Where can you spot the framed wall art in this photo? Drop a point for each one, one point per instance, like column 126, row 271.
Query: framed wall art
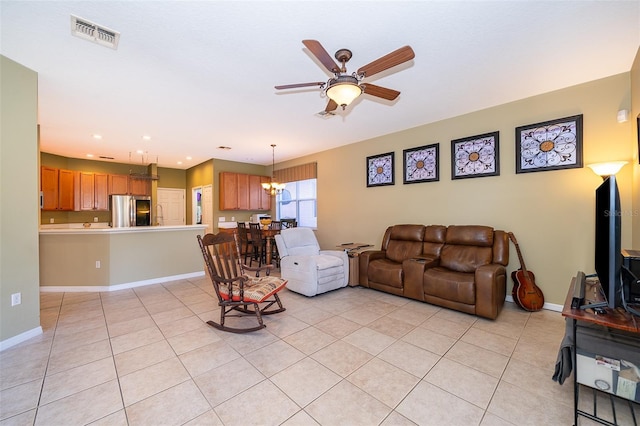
column 475, row 156
column 550, row 145
column 421, row 164
column 380, row 170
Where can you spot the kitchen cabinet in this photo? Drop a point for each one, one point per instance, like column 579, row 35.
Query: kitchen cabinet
column 118, row 184
column 92, row 191
column 139, row 186
column 57, row 188
column 239, row 191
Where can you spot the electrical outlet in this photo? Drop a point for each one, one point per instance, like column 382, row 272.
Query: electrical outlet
column 95, row 219
column 16, row 299
column 97, row 264
column 51, row 220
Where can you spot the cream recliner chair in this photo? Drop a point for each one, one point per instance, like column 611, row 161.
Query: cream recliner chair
column 308, row 269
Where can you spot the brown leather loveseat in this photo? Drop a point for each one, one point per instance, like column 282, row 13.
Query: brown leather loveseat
column 457, row 267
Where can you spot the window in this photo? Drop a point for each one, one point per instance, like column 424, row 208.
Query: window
column 298, row 201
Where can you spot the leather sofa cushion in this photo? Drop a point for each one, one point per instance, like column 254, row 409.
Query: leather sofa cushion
column 434, row 238
column 405, row 242
column 387, row 272
column 450, row 285
column 470, row 235
column 465, row 258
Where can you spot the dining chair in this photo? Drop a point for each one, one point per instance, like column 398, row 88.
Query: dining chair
column 258, row 243
column 239, row 294
column 288, row 223
column 277, row 225
column 245, row 242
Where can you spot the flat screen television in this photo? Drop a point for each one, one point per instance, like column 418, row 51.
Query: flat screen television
column 608, row 252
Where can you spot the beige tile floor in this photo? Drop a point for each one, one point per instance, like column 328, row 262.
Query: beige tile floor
column 354, row 356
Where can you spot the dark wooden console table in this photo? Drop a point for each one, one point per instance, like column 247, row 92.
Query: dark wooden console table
column 613, row 319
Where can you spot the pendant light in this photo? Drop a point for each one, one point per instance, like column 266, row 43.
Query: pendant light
column 273, row 187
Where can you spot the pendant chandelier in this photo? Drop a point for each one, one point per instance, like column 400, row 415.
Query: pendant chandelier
column 273, row 187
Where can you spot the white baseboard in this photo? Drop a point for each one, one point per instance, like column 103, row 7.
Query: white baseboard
column 89, row 288
column 12, row 341
column 547, row 306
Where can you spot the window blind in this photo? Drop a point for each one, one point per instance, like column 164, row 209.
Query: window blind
column 296, row 173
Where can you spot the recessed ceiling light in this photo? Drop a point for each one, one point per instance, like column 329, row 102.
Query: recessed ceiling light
column 146, row 137
column 139, row 151
column 188, row 158
column 179, row 162
column 89, row 155
column 97, row 136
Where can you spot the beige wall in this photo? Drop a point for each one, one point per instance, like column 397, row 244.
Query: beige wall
column 551, row 213
column 19, row 186
column 634, row 117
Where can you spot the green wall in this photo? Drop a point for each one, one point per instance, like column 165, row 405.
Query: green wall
column 207, row 174
column 19, row 188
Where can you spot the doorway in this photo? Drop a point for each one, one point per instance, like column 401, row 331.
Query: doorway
column 171, row 207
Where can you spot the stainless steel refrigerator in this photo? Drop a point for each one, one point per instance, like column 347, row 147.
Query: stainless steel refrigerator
column 130, row 210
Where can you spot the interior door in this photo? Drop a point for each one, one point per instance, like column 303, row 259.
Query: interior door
column 171, row 207
column 207, row 208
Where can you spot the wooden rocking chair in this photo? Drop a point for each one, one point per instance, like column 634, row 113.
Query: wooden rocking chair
column 236, row 290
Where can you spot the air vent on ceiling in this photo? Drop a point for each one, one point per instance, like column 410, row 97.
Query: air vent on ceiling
column 88, row 30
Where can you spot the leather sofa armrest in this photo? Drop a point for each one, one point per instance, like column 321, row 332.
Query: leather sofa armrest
column 414, row 276
column 364, row 259
column 491, row 290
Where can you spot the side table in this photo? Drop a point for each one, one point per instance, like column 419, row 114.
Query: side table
column 353, row 251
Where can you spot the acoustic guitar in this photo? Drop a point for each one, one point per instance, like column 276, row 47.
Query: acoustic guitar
column 526, row 294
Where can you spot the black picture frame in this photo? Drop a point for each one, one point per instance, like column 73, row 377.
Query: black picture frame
column 381, row 169
column 549, row 145
column 421, row 164
column 638, row 131
column 476, row 156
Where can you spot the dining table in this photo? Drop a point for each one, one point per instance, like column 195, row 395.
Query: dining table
column 268, row 234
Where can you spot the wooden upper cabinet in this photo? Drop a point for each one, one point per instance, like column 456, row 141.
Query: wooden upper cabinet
column 101, row 188
column 240, row 191
column 118, row 184
column 243, row 192
column 138, row 186
column 92, row 191
column 57, row 188
column 228, row 191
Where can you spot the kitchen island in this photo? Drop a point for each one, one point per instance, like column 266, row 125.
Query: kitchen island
column 107, row 259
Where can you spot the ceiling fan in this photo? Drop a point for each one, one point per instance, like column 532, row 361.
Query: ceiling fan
column 343, row 88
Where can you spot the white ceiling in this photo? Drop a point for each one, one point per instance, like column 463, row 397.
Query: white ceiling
column 198, row 75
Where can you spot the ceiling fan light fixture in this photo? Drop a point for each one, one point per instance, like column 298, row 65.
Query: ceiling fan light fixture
column 343, row 90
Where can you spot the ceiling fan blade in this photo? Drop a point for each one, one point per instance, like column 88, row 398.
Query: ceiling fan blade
column 319, row 52
column 394, row 58
column 293, row 86
column 331, row 106
column 381, row 92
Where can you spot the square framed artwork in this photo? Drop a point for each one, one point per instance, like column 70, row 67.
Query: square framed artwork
column 638, row 131
column 550, row 145
column 475, row 156
column 380, row 170
column 421, row 164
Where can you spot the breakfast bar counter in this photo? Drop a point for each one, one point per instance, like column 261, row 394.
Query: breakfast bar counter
column 100, row 258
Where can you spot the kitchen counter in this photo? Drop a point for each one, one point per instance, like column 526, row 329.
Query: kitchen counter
column 75, row 230
column 107, row 259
